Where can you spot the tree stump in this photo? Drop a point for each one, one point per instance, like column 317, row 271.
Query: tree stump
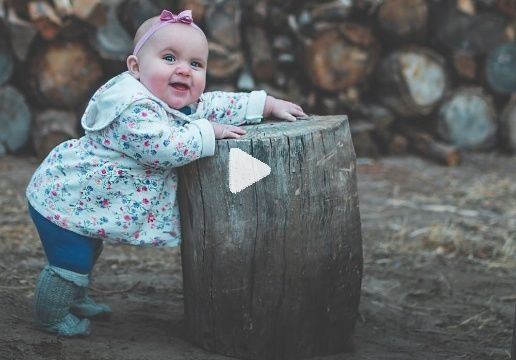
column 274, row 271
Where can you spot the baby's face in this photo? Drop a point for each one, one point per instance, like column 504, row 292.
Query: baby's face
column 172, row 64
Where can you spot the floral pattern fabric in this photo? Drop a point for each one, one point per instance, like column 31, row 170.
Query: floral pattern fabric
column 118, row 182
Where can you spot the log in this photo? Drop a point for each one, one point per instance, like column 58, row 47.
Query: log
column 22, row 34
column 464, row 64
column 476, row 33
column 15, row 120
column 132, row 13
column 198, row 8
column 52, row 127
column 402, row 21
column 508, row 125
column 274, row 271
column 398, row 145
column 63, row 74
column 223, row 22
column 335, row 10
column 45, row 19
column 341, row 57
column 500, row 68
column 382, row 120
column 263, row 65
column 224, row 64
column 467, row 119
column 111, row 40
column 412, row 81
column 63, row 7
column 513, row 345
column 425, row 144
column 92, row 12
column 363, row 143
column 507, row 7
column 6, row 60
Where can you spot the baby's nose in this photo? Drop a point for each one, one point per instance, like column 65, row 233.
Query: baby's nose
column 183, row 69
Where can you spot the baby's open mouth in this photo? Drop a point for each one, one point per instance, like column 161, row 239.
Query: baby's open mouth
column 180, row 86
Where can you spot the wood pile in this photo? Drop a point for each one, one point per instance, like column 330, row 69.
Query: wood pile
column 436, row 77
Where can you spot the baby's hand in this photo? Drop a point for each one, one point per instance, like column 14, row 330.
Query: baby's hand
column 282, row 109
column 227, row 131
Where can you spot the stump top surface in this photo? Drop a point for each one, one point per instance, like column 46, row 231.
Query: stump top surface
column 280, row 128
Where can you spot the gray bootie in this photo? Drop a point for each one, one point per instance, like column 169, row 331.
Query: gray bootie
column 56, row 289
column 85, row 306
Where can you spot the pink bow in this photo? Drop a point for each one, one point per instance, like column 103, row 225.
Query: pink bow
column 166, row 17
column 184, row 17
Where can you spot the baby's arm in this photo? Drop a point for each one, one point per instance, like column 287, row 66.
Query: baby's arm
column 145, row 132
column 235, row 108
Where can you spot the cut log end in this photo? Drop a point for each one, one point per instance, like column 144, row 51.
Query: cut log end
column 412, row 81
column 15, row 119
column 467, row 119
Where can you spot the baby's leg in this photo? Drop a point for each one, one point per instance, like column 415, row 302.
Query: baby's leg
column 61, row 286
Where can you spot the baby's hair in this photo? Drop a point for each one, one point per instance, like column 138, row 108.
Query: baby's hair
column 143, row 28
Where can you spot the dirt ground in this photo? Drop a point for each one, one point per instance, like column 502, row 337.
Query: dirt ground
column 439, row 271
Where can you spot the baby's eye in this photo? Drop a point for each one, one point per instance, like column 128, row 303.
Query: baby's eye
column 196, row 64
column 169, row 58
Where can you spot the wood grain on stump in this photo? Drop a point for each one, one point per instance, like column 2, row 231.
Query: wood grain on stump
column 274, row 271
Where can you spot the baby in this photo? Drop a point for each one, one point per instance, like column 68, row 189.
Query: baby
column 118, row 182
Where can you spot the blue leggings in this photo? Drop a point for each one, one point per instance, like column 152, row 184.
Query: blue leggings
column 64, row 248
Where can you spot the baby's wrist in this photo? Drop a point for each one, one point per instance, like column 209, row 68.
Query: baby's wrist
column 269, row 105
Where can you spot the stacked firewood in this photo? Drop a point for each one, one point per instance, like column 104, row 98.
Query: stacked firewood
column 434, row 77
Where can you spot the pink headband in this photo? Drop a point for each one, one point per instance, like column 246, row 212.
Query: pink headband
column 166, row 17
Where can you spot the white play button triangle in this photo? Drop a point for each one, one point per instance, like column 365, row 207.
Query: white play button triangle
column 244, row 170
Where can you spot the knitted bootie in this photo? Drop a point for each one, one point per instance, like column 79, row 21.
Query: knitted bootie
column 85, row 306
column 55, row 291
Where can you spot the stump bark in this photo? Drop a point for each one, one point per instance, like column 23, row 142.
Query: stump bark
column 274, row 271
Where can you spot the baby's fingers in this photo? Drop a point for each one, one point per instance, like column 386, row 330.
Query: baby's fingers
column 237, row 130
column 233, row 132
column 288, row 116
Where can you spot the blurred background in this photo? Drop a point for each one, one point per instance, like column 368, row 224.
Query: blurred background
column 432, row 77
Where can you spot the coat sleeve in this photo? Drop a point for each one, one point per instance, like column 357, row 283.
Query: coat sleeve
column 145, row 132
column 234, row 108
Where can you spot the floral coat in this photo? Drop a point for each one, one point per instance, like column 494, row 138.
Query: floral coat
column 118, row 182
